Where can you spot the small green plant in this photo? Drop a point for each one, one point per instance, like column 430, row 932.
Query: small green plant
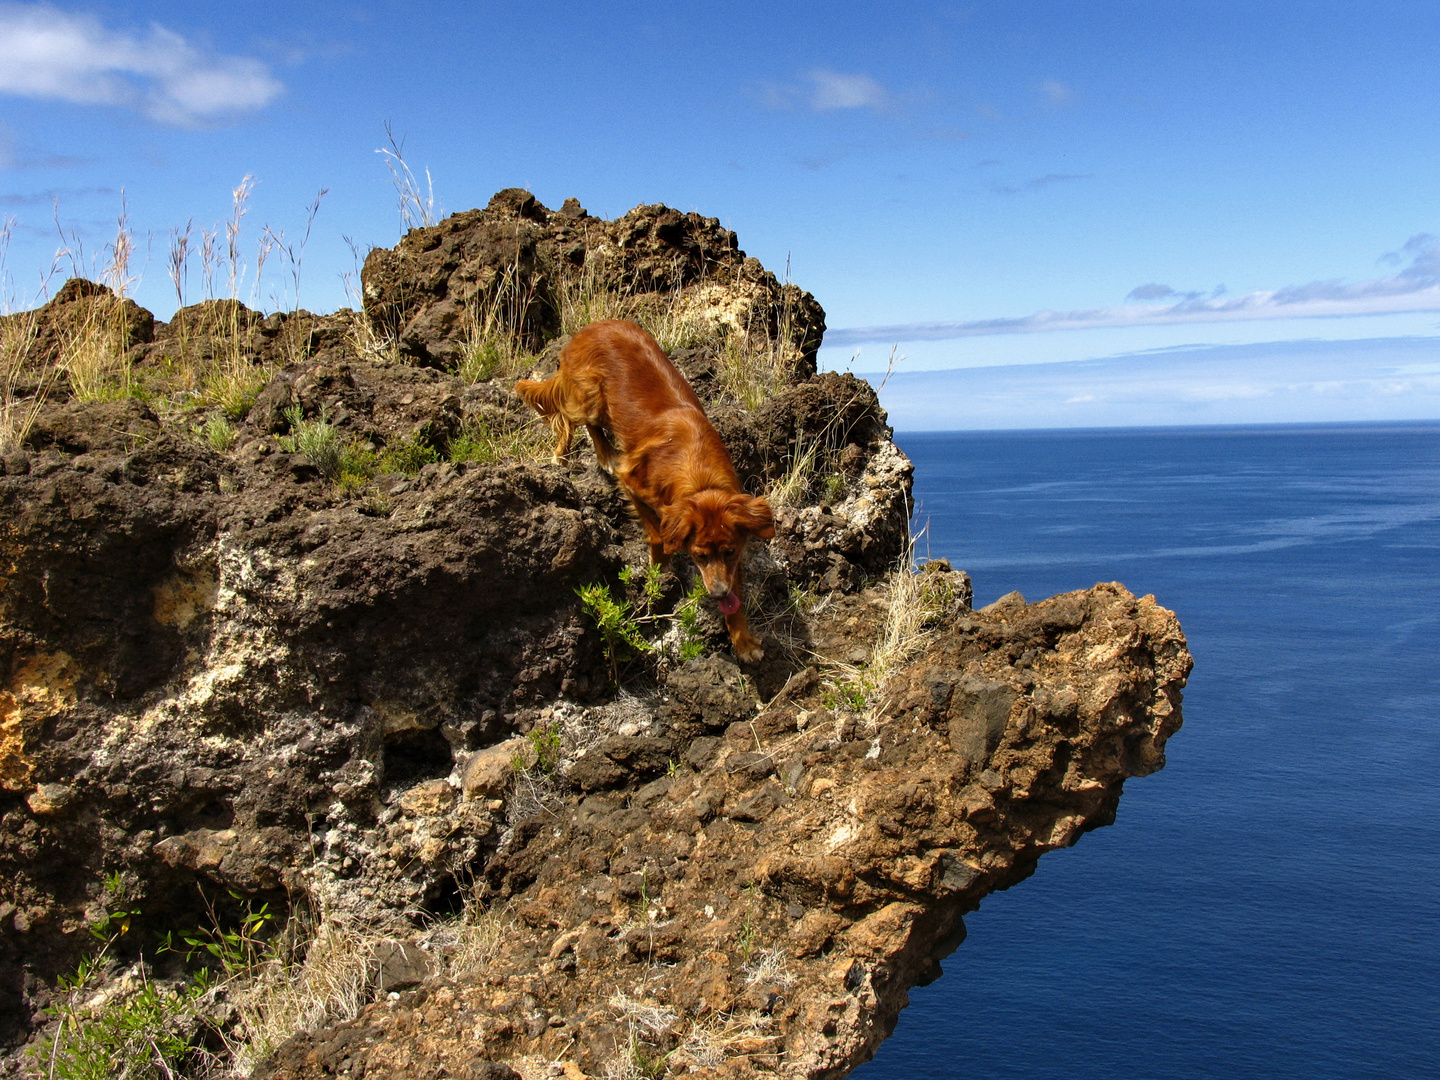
column 237, row 951
column 692, row 638
column 622, row 621
column 749, row 933
column 351, row 465
column 114, row 922
column 148, row 1034
column 649, row 580
column 376, row 504
column 406, row 456
column 641, row 904
column 851, row 692
column 489, row 442
column 545, row 741
column 649, row 1061
column 620, row 635
column 317, row 439
column 218, row 433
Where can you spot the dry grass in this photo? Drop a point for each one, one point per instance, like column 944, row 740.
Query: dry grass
column 473, row 940
column 490, row 439
column 94, row 349
column 752, row 370
column 793, row 486
column 417, row 206
column 752, row 364
column 18, row 412
column 586, row 294
column 916, row 603
column 497, row 342
column 366, row 340
column 811, row 460
column 326, row 979
column 810, row 467
column 769, row 967
column 720, row 1036
column 208, row 359
column 645, row 1024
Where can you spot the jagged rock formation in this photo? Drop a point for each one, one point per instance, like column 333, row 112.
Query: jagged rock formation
column 765, row 906
column 517, row 254
column 221, row 669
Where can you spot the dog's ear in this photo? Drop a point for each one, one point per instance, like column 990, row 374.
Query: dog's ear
column 753, row 514
column 677, row 525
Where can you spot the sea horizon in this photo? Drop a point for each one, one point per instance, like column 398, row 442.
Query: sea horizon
column 1296, row 426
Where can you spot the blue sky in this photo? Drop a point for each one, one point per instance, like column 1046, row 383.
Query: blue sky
column 982, row 184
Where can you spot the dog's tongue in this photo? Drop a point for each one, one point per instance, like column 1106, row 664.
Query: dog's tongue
column 730, row 604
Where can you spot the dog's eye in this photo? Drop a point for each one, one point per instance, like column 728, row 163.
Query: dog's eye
column 729, row 553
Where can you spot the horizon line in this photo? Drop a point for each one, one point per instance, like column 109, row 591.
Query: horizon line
column 1263, row 425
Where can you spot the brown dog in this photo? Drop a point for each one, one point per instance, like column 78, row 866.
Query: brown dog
column 651, row 434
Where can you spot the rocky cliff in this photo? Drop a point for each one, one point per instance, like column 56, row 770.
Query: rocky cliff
column 325, row 661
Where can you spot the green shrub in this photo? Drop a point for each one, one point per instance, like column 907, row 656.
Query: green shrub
column 317, row 439
column 545, row 741
column 218, row 433
column 146, row 1035
column 622, row 621
column 490, row 442
column 351, row 465
column 406, row 456
column 620, row 635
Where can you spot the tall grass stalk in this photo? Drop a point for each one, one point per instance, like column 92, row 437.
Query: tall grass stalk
column 94, row 343
column 587, row 294
column 367, row 341
column 497, row 342
column 756, row 364
column 417, row 207
column 18, row 414
column 17, row 337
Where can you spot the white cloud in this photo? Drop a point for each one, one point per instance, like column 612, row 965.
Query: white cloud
column 1280, row 382
column 1054, row 92
column 824, row 90
column 1415, row 288
column 50, row 54
column 832, row 90
column 1039, row 183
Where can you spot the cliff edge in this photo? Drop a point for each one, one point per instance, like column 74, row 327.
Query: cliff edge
column 310, row 660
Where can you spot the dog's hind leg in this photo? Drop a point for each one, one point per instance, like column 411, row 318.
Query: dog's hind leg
column 564, row 437
column 548, row 397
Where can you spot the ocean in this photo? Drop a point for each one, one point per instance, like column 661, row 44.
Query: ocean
column 1267, row 905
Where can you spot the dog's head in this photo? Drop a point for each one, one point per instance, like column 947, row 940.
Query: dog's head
column 712, row 527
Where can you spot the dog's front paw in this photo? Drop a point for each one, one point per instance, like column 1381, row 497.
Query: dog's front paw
column 749, row 651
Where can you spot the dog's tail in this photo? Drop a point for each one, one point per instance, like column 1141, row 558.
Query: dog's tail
column 541, row 395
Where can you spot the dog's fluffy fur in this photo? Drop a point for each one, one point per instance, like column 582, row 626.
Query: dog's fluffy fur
column 651, row 434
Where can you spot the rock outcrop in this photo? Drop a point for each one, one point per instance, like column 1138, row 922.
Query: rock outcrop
column 228, row 678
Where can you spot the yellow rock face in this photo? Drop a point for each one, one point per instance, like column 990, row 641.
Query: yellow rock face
column 43, row 686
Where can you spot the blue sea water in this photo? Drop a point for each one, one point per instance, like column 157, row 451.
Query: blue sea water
column 1268, row 905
